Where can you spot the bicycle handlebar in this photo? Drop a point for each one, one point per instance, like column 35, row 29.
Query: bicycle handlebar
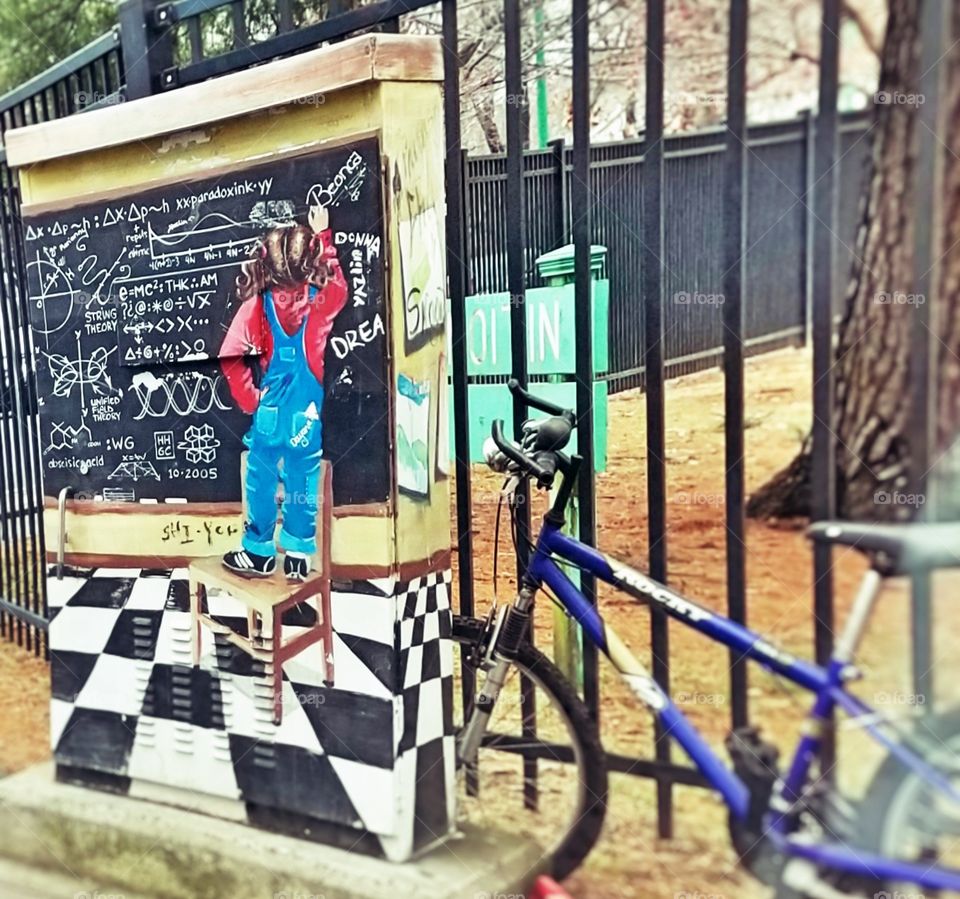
column 542, row 466
column 513, row 385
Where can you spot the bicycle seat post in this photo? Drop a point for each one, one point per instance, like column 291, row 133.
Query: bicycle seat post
column 856, row 622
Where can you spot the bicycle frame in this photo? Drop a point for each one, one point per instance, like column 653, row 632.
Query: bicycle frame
column 826, row 683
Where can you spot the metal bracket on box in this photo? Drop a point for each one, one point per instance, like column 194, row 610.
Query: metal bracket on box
column 62, row 536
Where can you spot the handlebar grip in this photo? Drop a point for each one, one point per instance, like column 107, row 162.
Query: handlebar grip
column 544, row 475
column 513, row 385
column 548, row 465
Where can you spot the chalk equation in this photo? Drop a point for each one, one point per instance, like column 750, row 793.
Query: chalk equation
column 131, row 299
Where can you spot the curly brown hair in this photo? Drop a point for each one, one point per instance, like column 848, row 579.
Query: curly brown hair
column 286, row 257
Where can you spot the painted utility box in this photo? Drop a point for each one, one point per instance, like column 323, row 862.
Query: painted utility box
column 237, row 300
column 551, row 346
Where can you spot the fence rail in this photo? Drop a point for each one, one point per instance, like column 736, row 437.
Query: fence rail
column 779, row 229
column 186, row 16
column 91, row 77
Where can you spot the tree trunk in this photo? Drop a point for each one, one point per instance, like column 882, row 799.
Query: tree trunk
column 484, row 109
column 872, row 414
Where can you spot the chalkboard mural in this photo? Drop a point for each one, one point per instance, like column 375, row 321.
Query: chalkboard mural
column 162, row 321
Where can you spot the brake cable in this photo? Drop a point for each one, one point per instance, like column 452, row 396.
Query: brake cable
column 496, row 542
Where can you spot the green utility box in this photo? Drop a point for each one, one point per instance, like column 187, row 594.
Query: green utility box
column 551, row 347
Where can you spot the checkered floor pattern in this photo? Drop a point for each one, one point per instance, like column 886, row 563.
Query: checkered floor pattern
column 128, row 702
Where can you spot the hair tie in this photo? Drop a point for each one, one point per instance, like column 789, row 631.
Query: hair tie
column 263, row 250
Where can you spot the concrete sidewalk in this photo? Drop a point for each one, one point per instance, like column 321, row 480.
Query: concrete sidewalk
column 20, row 882
column 59, row 839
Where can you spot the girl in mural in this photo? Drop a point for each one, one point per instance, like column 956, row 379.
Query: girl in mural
column 290, row 291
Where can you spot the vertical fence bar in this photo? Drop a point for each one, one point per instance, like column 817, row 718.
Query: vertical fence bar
column 653, row 361
column 806, row 271
column 935, row 26
column 285, row 16
column 516, row 231
column 823, row 462
column 561, row 217
column 515, row 238
column 735, row 264
column 581, row 197
column 196, row 39
column 456, row 274
column 468, row 257
column 238, row 18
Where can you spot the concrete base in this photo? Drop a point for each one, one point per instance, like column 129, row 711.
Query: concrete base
column 21, row 881
column 158, row 851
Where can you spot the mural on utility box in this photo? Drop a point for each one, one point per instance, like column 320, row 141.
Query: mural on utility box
column 291, row 291
column 155, row 317
column 216, row 376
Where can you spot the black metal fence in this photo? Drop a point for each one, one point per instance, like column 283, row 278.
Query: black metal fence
column 94, row 76
column 779, row 223
column 23, row 609
column 707, row 213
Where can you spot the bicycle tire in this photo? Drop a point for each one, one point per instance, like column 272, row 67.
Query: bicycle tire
column 587, row 824
column 878, row 817
column 882, row 812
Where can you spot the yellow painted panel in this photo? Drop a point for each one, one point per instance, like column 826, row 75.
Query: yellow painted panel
column 357, row 540
column 414, row 147
column 197, row 153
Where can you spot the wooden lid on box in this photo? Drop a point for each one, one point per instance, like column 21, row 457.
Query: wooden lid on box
column 380, row 57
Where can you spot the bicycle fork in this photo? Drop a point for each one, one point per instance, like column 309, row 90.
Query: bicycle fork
column 509, row 631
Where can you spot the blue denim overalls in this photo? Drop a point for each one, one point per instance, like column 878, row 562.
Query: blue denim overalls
column 286, row 429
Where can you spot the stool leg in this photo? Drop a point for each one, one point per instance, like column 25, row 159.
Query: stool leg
column 276, row 655
column 325, row 592
column 327, row 641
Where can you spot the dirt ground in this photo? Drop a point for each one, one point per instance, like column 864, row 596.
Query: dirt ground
column 24, row 708
column 630, row 861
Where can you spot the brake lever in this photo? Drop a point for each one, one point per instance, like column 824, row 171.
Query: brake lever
column 509, row 489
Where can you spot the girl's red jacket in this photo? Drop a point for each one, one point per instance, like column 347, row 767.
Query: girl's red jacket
column 249, row 333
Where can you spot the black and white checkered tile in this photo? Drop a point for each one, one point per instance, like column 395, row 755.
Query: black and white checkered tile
column 427, row 752
column 375, row 751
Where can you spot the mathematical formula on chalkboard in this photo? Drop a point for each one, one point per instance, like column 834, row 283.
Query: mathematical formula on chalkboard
column 151, row 357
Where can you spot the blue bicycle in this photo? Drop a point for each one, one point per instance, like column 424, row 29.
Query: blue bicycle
column 790, row 826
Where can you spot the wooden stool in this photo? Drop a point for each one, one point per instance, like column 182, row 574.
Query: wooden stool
column 265, row 600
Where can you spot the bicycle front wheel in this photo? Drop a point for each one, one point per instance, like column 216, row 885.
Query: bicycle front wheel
column 541, row 770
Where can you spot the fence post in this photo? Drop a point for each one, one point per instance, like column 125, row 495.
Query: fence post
column 735, row 187
column 653, row 372
column 925, row 344
column 806, row 271
column 823, row 473
column 146, row 44
column 558, row 148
